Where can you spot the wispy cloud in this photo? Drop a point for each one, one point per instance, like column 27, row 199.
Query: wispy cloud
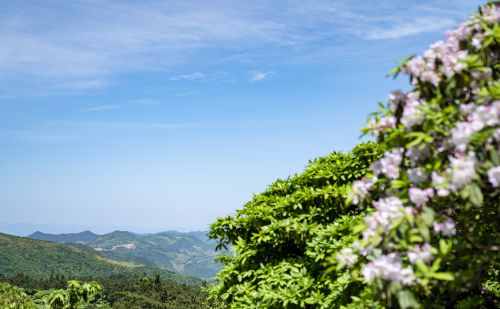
column 143, row 102
column 259, row 76
column 193, row 76
column 102, row 108
column 413, row 27
column 82, row 84
column 82, row 45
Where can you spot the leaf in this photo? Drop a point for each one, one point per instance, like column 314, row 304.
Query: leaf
column 443, row 276
column 476, row 196
column 406, row 299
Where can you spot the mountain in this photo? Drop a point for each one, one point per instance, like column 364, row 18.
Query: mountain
column 39, row 258
column 77, row 238
column 189, row 253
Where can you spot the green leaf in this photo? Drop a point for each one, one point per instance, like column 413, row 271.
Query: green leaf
column 443, row 276
column 476, row 196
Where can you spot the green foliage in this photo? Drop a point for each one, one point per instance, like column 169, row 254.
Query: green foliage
column 116, row 291
column 77, row 295
column 12, row 297
column 283, row 238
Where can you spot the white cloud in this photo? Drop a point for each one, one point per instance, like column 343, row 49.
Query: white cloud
column 258, row 76
column 413, row 27
column 192, row 76
column 102, row 108
column 83, row 45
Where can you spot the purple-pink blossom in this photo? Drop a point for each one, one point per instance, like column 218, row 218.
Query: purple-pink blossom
column 420, row 253
column 440, row 183
column 360, row 189
column 419, row 197
column 494, row 176
column 389, row 164
column 463, row 170
column 445, row 228
column 388, row 267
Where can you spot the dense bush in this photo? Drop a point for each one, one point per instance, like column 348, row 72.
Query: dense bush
column 284, row 236
column 115, row 291
column 420, row 229
column 77, row 295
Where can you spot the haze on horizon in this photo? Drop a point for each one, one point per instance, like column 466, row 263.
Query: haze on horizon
column 165, row 115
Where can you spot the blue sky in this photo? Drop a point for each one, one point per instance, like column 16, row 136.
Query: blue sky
column 167, row 114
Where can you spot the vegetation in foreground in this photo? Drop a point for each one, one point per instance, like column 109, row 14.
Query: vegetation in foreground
column 418, row 227
column 122, row 291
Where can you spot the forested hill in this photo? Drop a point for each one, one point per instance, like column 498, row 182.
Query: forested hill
column 82, row 237
column 42, row 258
column 189, row 253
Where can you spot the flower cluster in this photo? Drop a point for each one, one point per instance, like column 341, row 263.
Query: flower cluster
column 388, row 267
column 389, row 164
column 420, row 253
column 419, row 197
column 478, row 118
column 387, row 210
column 445, row 228
column 443, row 156
column 361, row 188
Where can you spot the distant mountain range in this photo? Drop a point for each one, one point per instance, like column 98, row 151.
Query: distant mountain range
column 38, row 258
column 189, row 253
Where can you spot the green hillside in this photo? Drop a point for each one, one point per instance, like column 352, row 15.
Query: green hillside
column 77, row 238
column 41, row 259
column 187, row 253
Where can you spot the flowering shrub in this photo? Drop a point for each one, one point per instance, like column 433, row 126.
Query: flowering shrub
column 419, row 227
column 432, row 231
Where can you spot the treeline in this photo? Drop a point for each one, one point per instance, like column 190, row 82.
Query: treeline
column 117, row 291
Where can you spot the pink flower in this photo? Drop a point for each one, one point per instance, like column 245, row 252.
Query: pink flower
column 396, row 98
column 388, row 267
column 494, row 176
column 389, row 164
column 461, row 134
column 463, row 170
column 360, row 189
column 415, row 66
column 419, row 197
column 382, row 125
column 446, row 228
column 412, row 115
column 387, row 211
column 440, row 184
column 477, row 40
column 420, row 253
column 491, row 15
column 431, row 77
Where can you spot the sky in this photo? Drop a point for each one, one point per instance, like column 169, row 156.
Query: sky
column 159, row 115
